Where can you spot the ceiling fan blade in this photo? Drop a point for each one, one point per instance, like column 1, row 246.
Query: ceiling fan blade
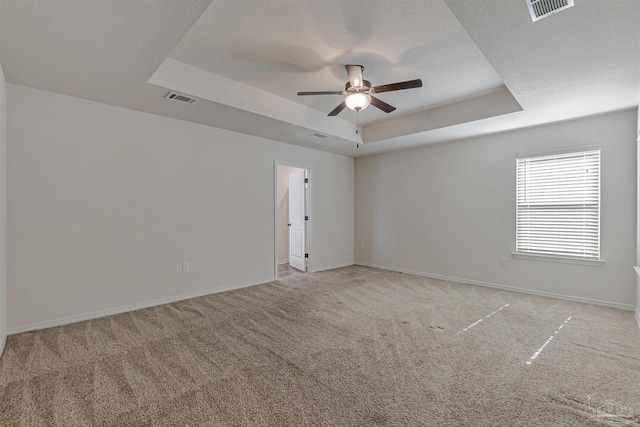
column 382, row 105
column 335, row 92
column 337, row 110
column 409, row 84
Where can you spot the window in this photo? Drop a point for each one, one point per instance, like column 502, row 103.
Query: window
column 558, row 205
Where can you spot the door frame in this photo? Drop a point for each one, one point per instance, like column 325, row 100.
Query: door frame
column 309, row 231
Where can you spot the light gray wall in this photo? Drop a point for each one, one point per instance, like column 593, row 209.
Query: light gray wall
column 3, row 199
column 105, row 203
column 449, row 210
column 638, row 219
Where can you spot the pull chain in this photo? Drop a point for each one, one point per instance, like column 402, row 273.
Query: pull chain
column 357, row 129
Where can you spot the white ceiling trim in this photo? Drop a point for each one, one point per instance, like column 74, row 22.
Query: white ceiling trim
column 496, row 103
column 181, row 77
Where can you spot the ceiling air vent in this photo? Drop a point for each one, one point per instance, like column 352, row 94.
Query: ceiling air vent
column 542, row 8
column 320, row 135
column 181, row 97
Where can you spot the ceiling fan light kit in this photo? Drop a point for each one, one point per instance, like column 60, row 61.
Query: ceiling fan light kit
column 359, row 92
column 358, row 101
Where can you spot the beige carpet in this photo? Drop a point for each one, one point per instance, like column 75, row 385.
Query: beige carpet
column 349, row 347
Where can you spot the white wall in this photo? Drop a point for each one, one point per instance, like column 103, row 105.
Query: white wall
column 283, row 212
column 449, row 210
column 3, row 199
column 105, row 203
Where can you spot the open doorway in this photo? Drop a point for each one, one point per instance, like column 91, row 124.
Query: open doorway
column 292, row 219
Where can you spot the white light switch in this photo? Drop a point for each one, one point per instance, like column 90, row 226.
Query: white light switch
column 185, row 267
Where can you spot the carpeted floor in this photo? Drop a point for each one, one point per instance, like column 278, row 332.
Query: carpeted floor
column 348, row 347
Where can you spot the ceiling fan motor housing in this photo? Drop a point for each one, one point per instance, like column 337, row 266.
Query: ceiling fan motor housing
column 366, row 86
column 355, row 75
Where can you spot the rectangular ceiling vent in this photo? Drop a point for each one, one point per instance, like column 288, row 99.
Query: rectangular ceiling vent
column 542, row 8
column 320, row 135
column 181, row 97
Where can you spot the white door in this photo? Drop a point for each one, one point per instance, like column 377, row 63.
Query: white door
column 296, row 221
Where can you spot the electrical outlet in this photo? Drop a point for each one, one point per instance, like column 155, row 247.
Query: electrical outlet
column 503, row 262
column 185, row 267
column 361, row 246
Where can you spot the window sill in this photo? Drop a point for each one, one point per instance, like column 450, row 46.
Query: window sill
column 562, row 260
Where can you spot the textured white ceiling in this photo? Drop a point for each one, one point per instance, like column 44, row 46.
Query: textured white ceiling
column 93, row 49
column 583, row 60
column 485, row 66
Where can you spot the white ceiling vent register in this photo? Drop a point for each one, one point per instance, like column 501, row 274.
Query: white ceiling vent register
column 542, row 8
column 181, row 97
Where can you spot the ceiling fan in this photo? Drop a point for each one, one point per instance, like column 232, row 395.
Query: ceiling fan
column 359, row 92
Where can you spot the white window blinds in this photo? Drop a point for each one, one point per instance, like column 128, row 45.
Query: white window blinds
column 558, row 205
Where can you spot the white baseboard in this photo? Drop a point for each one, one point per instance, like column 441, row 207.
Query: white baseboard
column 331, row 267
column 153, row 303
column 132, row 307
column 627, row 307
column 283, row 261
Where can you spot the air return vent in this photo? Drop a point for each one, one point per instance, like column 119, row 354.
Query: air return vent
column 320, row 135
column 542, row 8
column 181, row 97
